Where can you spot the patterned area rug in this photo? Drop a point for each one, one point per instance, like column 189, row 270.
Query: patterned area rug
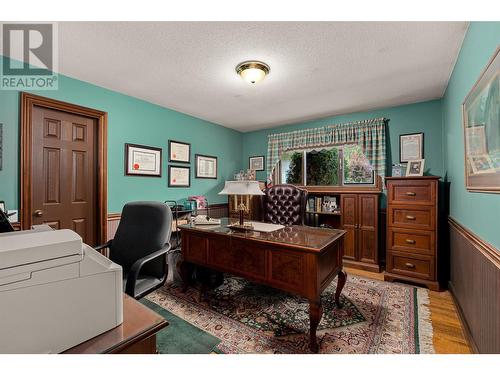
column 377, row 317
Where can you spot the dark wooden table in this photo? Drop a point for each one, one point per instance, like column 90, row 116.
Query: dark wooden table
column 298, row 259
column 137, row 334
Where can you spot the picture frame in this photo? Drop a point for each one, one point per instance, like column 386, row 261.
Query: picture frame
column 256, row 163
column 481, row 164
column 179, row 176
column 3, row 207
column 415, row 168
column 411, row 147
column 481, row 130
column 179, row 152
column 142, row 160
column 205, row 166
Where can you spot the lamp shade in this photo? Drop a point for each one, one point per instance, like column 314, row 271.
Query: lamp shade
column 241, row 188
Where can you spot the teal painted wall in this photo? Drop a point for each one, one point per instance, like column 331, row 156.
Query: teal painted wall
column 130, row 120
column 479, row 212
column 413, row 118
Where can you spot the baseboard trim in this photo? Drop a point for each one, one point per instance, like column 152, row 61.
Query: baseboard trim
column 461, row 316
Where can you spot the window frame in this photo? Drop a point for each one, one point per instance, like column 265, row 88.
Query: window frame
column 342, row 183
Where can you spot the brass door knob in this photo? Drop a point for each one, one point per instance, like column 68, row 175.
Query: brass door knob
column 411, row 193
column 412, row 242
column 409, row 265
column 38, row 213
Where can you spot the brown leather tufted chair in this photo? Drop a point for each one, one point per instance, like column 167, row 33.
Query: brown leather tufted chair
column 284, row 204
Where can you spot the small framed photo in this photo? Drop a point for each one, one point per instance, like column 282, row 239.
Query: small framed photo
column 415, row 168
column 206, row 166
column 256, row 163
column 2, row 207
column 179, row 152
column 481, row 164
column 411, row 147
column 179, row 176
column 142, row 160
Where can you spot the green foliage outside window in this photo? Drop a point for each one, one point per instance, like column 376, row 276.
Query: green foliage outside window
column 294, row 172
column 357, row 167
column 322, row 167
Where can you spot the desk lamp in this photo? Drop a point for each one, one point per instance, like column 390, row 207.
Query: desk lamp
column 244, row 187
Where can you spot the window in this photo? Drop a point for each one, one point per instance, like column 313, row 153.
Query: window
column 331, row 166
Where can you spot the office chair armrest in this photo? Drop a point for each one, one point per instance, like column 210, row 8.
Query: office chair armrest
column 103, row 246
column 133, row 274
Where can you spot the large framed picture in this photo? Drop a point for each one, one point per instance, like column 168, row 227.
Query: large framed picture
column 179, row 176
column 142, row 160
column 179, row 152
column 481, row 123
column 256, row 163
column 411, row 147
column 206, row 166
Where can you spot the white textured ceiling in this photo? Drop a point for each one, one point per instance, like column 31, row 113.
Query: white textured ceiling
column 318, row 69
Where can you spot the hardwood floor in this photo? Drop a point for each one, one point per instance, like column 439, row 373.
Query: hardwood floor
column 449, row 337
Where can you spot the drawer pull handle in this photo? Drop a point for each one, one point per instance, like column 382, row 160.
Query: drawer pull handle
column 409, row 217
column 411, row 193
column 409, row 265
column 412, row 242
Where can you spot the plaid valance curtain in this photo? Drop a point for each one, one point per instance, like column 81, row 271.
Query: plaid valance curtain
column 368, row 134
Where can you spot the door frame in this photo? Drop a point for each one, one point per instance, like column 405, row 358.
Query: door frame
column 28, row 102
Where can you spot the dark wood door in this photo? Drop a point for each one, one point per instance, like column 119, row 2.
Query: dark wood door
column 367, row 227
column 349, row 207
column 64, row 172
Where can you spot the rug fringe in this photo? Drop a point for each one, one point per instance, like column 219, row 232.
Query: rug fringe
column 425, row 330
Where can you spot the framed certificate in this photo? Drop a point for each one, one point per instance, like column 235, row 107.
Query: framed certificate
column 142, row 160
column 206, row 166
column 411, row 147
column 179, row 152
column 179, row 176
column 256, row 163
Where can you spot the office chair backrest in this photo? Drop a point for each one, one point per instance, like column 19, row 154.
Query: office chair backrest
column 144, row 228
column 284, row 204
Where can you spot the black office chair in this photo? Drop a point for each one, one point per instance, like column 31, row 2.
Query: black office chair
column 140, row 246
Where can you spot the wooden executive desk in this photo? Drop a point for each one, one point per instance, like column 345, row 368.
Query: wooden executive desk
column 298, row 259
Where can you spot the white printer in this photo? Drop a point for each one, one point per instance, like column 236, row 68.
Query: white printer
column 55, row 291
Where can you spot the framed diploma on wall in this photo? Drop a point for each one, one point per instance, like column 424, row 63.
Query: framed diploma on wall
column 179, row 176
column 206, row 166
column 179, row 152
column 411, row 147
column 142, row 160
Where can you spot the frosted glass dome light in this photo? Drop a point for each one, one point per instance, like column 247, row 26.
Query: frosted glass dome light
column 252, row 71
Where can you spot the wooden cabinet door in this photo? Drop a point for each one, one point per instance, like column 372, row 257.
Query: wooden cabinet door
column 349, row 207
column 367, row 228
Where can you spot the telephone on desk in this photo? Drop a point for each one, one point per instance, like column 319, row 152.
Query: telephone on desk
column 205, row 220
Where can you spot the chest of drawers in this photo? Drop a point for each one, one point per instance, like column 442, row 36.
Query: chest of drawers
column 412, row 230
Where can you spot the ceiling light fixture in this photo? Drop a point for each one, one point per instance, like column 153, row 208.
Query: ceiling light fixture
column 252, row 71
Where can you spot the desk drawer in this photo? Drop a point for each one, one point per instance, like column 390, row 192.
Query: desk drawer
column 411, row 241
column 411, row 216
column 412, row 192
column 421, row 267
